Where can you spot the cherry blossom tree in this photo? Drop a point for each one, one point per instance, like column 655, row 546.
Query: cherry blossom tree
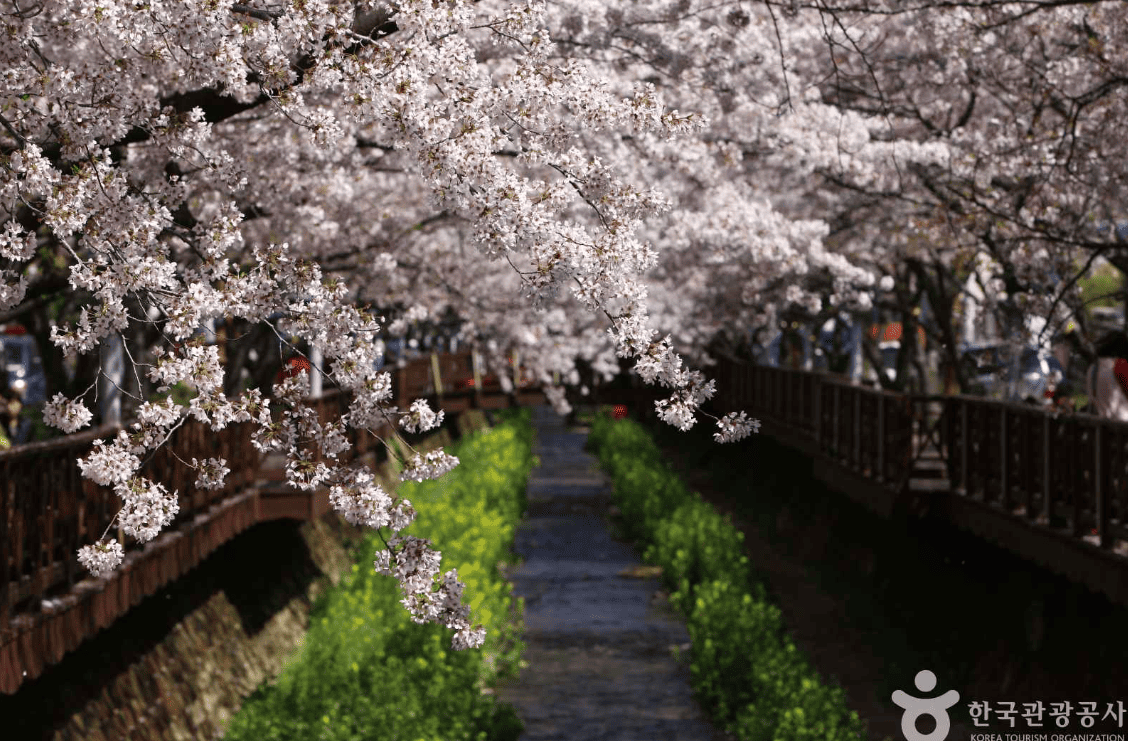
column 1027, row 97
column 578, row 182
column 207, row 159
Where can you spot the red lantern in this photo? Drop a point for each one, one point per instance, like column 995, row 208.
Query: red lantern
column 620, row 411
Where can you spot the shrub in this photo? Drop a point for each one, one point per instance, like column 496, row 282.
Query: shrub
column 746, row 672
column 365, row 670
column 695, row 545
column 648, row 494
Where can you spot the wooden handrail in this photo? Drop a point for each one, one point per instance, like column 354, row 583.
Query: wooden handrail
column 1068, row 471
column 48, row 510
column 48, row 604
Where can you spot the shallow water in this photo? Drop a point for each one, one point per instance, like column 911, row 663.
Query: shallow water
column 601, row 637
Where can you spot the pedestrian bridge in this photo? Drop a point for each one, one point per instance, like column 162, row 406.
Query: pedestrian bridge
column 1052, row 488
column 49, row 604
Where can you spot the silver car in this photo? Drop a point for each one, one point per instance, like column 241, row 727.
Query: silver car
column 989, row 373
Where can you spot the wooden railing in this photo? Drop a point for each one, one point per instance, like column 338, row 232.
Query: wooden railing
column 52, row 510
column 1064, row 471
column 1052, row 487
column 867, row 430
column 1067, row 472
column 48, row 510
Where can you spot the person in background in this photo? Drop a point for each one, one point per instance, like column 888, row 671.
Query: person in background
column 1063, row 398
column 9, row 412
column 1107, row 380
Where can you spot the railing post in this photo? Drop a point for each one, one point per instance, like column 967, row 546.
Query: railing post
column 762, row 390
column 837, row 406
column 1004, row 495
column 812, row 385
column 880, row 437
column 771, row 383
column 804, row 400
column 818, row 387
column 857, row 430
column 800, row 402
column 436, row 378
column 785, row 396
column 1046, row 488
column 751, row 385
column 965, row 448
column 788, row 414
column 739, row 378
column 795, row 410
column 1101, row 503
column 778, row 400
column 1078, row 504
column 768, row 392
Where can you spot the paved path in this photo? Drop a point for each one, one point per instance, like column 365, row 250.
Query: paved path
column 599, row 642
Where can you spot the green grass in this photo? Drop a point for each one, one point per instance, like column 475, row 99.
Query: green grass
column 365, row 671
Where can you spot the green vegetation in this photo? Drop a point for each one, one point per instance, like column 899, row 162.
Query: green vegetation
column 40, row 430
column 1101, row 287
column 181, row 394
column 746, row 671
column 366, row 671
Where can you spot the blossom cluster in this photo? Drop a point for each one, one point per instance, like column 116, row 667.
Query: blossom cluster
column 420, row 418
column 427, row 598
column 431, row 465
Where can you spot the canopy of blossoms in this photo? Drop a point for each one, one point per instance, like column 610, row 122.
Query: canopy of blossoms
column 573, row 180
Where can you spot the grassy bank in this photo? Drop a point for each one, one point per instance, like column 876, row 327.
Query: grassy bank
column 746, row 671
column 366, row 672
column 988, row 623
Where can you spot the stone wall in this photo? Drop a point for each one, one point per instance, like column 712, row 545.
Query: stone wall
column 179, row 664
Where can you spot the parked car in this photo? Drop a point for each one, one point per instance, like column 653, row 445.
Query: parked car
column 23, row 366
column 988, row 369
column 24, row 370
column 1106, row 319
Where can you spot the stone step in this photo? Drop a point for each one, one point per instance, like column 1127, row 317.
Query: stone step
column 930, row 469
column 930, row 486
